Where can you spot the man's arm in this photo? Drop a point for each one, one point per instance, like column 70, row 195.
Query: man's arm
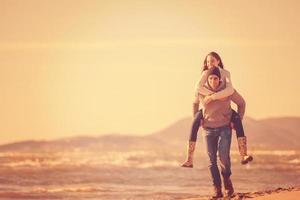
column 196, row 101
column 240, row 102
column 195, row 108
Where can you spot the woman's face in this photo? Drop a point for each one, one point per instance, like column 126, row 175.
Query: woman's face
column 213, row 81
column 212, row 61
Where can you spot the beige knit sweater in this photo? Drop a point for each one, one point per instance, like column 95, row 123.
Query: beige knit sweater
column 218, row 112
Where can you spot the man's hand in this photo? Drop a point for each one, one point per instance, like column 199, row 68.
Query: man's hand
column 232, row 125
column 201, row 122
column 207, row 100
column 223, row 99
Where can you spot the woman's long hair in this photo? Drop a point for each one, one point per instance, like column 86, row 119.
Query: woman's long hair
column 215, row 55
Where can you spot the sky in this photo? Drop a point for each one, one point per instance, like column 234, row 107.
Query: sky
column 90, row 67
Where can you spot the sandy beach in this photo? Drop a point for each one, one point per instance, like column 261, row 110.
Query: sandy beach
column 284, row 195
column 278, row 194
column 292, row 193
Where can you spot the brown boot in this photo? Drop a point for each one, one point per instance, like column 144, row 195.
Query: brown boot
column 191, row 149
column 228, row 186
column 217, row 193
column 242, row 143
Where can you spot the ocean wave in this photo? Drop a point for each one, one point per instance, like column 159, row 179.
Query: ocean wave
column 137, row 159
column 69, row 189
column 295, row 161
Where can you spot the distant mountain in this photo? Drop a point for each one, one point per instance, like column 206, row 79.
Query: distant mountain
column 279, row 133
column 90, row 143
column 273, row 133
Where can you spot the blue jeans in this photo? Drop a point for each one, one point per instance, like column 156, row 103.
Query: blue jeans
column 218, row 140
column 196, row 125
column 235, row 119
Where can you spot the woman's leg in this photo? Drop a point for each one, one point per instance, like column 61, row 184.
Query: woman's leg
column 196, row 125
column 193, row 138
column 241, row 138
column 237, row 122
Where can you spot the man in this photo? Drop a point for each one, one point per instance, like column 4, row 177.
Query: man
column 217, row 132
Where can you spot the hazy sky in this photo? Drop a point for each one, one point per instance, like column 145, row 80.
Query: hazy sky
column 96, row 67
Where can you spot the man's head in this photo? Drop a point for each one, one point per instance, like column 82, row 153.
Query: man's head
column 214, row 77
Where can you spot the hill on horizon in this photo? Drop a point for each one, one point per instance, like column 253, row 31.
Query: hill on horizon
column 272, row 133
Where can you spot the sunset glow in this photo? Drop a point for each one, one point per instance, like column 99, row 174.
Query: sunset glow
column 96, row 67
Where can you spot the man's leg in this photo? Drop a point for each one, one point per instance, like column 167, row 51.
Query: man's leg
column 224, row 151
column 224, row 155
column 211, row 144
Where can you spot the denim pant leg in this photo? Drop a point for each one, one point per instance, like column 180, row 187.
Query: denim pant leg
column 224, row 151
column 195, row 126
column 238, row 126
column 211, row 143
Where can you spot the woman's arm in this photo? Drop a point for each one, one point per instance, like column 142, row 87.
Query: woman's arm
column 201, row 88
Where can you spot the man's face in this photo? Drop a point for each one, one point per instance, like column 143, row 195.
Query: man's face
column 213, row 81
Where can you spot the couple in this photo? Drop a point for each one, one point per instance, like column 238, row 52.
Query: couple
column 215, row 92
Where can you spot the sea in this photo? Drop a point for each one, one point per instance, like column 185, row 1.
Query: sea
column 135, row 175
